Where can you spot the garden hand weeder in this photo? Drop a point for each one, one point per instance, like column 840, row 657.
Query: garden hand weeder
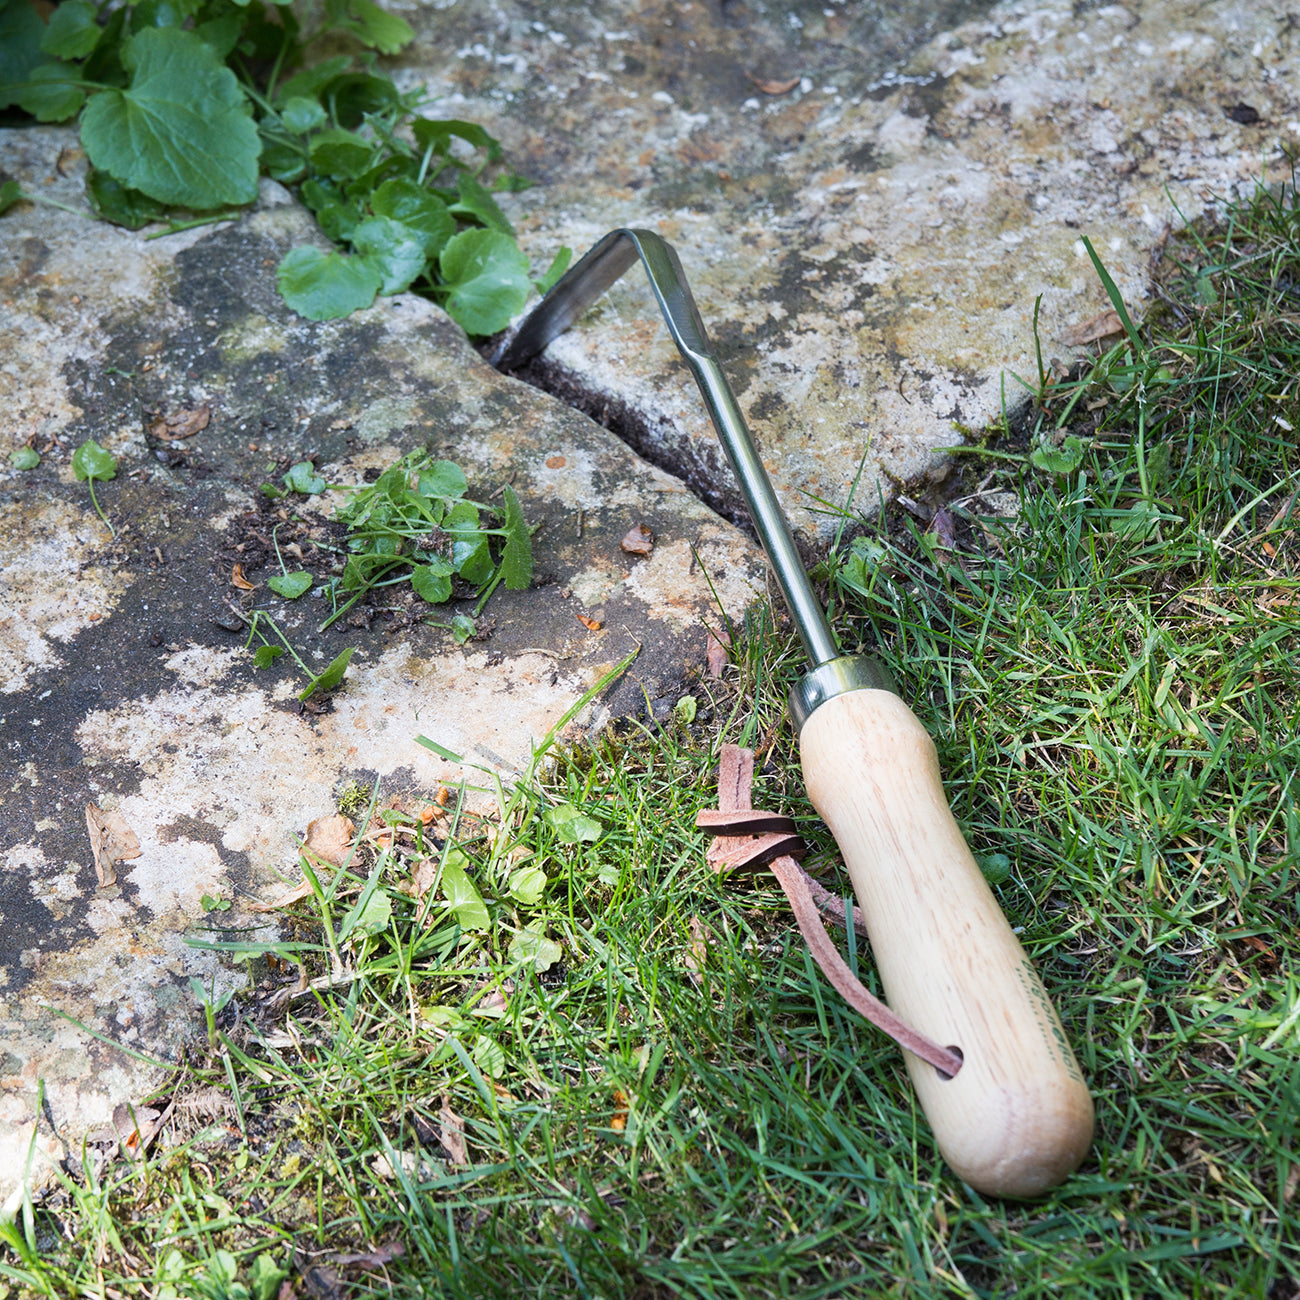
column 1016, row 1118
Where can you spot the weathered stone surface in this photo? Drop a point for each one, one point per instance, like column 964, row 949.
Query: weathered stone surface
column 120, row 684
column 866, row 246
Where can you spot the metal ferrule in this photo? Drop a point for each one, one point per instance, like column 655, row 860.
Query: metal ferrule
column 838, row 677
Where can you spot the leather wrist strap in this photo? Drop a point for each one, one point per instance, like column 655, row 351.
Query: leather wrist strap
column 749, row 839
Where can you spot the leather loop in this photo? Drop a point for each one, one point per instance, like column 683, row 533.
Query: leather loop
column 736, row 846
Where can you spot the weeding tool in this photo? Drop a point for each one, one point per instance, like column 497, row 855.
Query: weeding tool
column 1017, row 1117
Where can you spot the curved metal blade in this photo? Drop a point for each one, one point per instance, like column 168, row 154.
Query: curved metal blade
column 581, row 285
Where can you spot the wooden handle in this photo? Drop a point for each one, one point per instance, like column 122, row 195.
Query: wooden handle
column 1017, row 1118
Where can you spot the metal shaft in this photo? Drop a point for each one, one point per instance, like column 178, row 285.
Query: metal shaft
column 580, row 287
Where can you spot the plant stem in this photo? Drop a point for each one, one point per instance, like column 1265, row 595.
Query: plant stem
column 175, row 227
column 90, row 482
column 338, row 613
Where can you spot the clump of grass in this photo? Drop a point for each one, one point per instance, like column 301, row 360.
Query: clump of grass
column 566, row 1060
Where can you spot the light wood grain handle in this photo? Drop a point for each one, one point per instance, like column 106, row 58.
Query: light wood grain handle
column 1017, row 1118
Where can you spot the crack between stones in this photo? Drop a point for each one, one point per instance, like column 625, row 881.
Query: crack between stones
column 705, row 474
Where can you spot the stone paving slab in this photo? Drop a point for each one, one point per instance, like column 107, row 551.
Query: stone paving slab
column 866, row 245
column 121, row 683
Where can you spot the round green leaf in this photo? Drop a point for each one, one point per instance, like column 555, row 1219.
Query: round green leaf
column 325, row 286
column 281, row 160
column 573, row 826
column 430, row 585
column 375, row 27
column 49, row 95
column 73, row 31
column 528, row 884
column 529, row 947
column 394, row 251
column 474, row 202
column 221, row 33
column 181, row 131
column 995, row 867
column 342, row 154
column 91, row 461
column 302, row 478
column 300, row 114
column 25, row 458
column 486, row 278
column 417, row 209
column 444, row 479
column 489, row 1057
column 122, row 206
column 472, row 559
column 21, row 33
column 290, row 585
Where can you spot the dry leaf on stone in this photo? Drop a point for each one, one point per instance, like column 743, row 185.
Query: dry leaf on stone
column 453, row 1134
column 638, row 541
column 111, row 841
column 425, row 876
column 237, row 579
column 372, row 1258
column 295, row 895
column 715, row 656
column 137, row 1126
column 181, row 424
column 68, row 160
column 773, row 87
column 330, row 838
column 1089, row 331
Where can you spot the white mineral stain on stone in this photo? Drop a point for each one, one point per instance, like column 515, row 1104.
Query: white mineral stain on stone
column 384, row 418
column 657, row 580
column 594, row 587
column 53, row 588
column 251, row 337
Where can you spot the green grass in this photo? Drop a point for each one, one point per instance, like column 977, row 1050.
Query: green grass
column 679, row 1105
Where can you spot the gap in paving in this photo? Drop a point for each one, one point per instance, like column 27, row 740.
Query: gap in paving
column 638, row 430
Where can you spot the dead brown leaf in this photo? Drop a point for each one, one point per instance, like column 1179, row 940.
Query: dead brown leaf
column 1089, row 331
column 453, row 1134
column 497, row 1000
column 618, row 1120
column 295, row 895
column 425, row 876
column 68, row 159
column 137, row 1126
column 330, row 838
column 591, row 624
column 181, row 424
column 715, row 656
column 111, row 841
column 373, row 1258
column 238, row 579
column 769, row 87
column 639, row 540
column 320, row 1281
